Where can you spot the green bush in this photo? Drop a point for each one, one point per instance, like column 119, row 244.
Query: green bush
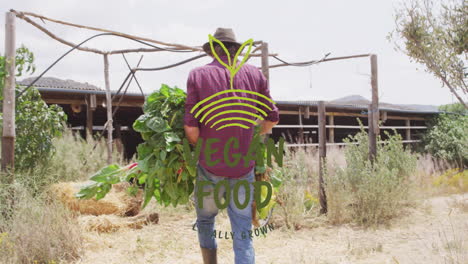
column 447, row 138
column 370, row 193
column 36, row 123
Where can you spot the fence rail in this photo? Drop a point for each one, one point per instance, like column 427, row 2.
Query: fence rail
column 349, row 127
column 342, row 144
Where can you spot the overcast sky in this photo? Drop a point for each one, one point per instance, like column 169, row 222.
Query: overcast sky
column 296, row 30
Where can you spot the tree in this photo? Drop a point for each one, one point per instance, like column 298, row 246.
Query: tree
column 447, row 138
column 36, row 123
column 436, row 35
column 456, row 108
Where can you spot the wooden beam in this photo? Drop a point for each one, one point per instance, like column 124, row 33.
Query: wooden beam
column 408, row 130
column 92, row 102
column 323, row 60
column 349, row 127
column 265, row 70
column 344, row 144
column 265, row 63
column 331, row 129
column 374, row 109
column 307, row 112
column 384, row 116
column 322, row 156
column 301, row 128
column 79, row 101
column 109, row 109
column 118, row 138
column 89, row 118
column 389, row 117
column 9, row 134
column 372, row 136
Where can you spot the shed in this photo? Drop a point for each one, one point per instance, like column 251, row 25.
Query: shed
column 85, row 106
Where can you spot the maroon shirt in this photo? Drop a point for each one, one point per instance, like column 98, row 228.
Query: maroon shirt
column 212, row 78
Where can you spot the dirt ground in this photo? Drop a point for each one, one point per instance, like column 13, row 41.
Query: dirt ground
column 435, row 232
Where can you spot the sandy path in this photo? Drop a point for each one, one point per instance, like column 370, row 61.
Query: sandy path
column 434, row 233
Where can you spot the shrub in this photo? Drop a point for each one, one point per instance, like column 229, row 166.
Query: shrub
column 370, row 193
column 296, row 196
column 447, row 139
column 36, row 123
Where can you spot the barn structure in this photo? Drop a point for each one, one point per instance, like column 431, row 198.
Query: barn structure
column 86, row 109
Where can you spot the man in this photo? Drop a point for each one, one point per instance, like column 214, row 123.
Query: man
column 206, row 81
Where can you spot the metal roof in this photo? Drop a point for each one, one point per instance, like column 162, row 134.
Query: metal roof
column 382, row 106
column 52, row 82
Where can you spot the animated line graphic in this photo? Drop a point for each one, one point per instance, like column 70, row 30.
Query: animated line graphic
column 209, row 108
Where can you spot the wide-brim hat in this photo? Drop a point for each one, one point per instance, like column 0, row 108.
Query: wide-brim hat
column 225, row 35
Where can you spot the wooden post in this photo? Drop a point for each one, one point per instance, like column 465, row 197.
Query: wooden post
column 322, row 155
column 408, row 130
column 109, row 109
column 266, row 71
column 372, row 136
column 265, row 64
column 374, row 109
column 307, row 112
column 301, row 129
column 384, row 116
column 331, row 130
column 8, row 136
column 89, row 118
column 118, row 138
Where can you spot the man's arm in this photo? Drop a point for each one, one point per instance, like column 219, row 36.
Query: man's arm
column 266, row 126
column 192, row 134
column 191, row 128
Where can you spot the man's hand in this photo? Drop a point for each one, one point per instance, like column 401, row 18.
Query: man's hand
column 192, row 134
column 266, row 126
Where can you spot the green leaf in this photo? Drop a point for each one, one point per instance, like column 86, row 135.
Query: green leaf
column 162, row 154
column 157, row 124
column 171, row 137
column 143, row 150
column 142, row 179
column 106, row 174
column 140, row 124
column 149, row 189
column 146, row 163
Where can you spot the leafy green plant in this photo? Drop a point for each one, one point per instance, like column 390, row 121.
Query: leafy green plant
column 435, row 34
column 161, row 159
column 36, row 123
column 447, row 138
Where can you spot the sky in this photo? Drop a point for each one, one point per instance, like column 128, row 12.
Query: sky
column 295, row 30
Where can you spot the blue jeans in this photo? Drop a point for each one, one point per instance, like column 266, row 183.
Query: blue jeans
column 241, row 219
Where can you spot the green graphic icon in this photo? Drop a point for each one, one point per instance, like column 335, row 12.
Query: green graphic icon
column 233, row 69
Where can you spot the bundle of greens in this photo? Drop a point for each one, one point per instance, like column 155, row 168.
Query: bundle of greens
column 161, row 160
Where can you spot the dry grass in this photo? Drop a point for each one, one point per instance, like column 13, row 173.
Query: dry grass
column 113, row 223
column 37, row 229
column 34, row 231
column 117, row 201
